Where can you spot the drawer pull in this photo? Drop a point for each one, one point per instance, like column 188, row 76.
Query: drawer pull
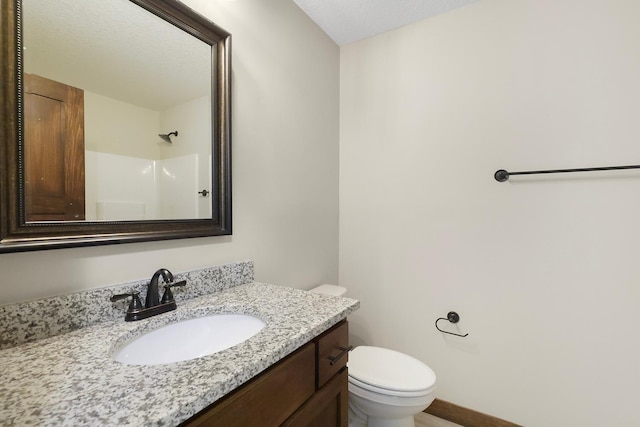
column 343, row 352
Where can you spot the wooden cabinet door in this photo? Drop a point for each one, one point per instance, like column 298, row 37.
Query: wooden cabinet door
column 53, row 150
column 267, row 400
column 289, row 394
column 328, row 407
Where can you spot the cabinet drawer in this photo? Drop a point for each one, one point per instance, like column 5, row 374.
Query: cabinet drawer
column 333, row 352
column 267, row 400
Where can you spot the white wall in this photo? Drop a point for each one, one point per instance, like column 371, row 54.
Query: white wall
column 543, row 271
column 285, row 169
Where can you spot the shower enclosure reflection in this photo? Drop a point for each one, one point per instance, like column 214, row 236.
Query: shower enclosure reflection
column 129, row 173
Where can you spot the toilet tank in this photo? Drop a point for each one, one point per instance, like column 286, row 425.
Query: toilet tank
column 326, row 289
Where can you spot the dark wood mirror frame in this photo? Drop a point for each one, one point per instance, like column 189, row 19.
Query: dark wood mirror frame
column 17, row 235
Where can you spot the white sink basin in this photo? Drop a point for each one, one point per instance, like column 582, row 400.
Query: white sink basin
column 189, row 339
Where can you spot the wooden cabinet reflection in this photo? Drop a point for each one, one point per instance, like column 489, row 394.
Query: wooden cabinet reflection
column 53, row 151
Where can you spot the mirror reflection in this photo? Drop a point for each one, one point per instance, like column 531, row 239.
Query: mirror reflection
column 117, row 114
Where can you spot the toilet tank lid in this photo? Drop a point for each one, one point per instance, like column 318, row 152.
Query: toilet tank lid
column 389, row 369
column 329, row 290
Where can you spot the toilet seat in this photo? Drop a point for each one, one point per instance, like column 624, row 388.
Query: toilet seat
column 355, row 385
column 389, row 372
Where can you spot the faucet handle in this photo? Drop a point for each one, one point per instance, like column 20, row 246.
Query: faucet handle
column 167, row 297
column 135, row 304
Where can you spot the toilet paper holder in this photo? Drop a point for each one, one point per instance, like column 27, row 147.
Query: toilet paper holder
column 452, row 317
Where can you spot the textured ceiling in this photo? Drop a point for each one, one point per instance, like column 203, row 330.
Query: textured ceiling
column 347, row 21
column 116, row 49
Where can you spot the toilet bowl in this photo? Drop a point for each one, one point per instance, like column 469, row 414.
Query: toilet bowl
column 387, row 388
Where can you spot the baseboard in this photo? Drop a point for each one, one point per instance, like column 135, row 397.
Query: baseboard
column 465, row 417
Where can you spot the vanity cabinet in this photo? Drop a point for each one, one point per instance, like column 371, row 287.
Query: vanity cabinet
column 308, row 388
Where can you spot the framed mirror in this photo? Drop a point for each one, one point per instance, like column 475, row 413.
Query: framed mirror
column 115, row 123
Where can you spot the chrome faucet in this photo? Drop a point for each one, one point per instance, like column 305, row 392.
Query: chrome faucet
column 153, row 304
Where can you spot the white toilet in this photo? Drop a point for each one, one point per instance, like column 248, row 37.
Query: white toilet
column 386, row 387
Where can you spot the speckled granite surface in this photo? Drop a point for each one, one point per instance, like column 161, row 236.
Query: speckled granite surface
column 43, row 318
column 71, row 380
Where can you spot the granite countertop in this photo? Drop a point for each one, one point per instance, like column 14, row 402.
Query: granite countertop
column 71, row 379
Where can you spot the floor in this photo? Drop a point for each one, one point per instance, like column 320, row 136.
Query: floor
column 427, row 420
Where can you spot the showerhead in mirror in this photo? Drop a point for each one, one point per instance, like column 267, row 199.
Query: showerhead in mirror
column 166, row 137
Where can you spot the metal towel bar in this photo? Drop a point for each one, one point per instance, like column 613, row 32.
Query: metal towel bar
column 502, row 175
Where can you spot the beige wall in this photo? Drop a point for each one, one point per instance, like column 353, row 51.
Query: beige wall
column 543, row 271
column 285, row 169
column 115, row 127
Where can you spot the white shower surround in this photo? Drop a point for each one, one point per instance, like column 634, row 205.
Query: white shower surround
column 166, row 188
